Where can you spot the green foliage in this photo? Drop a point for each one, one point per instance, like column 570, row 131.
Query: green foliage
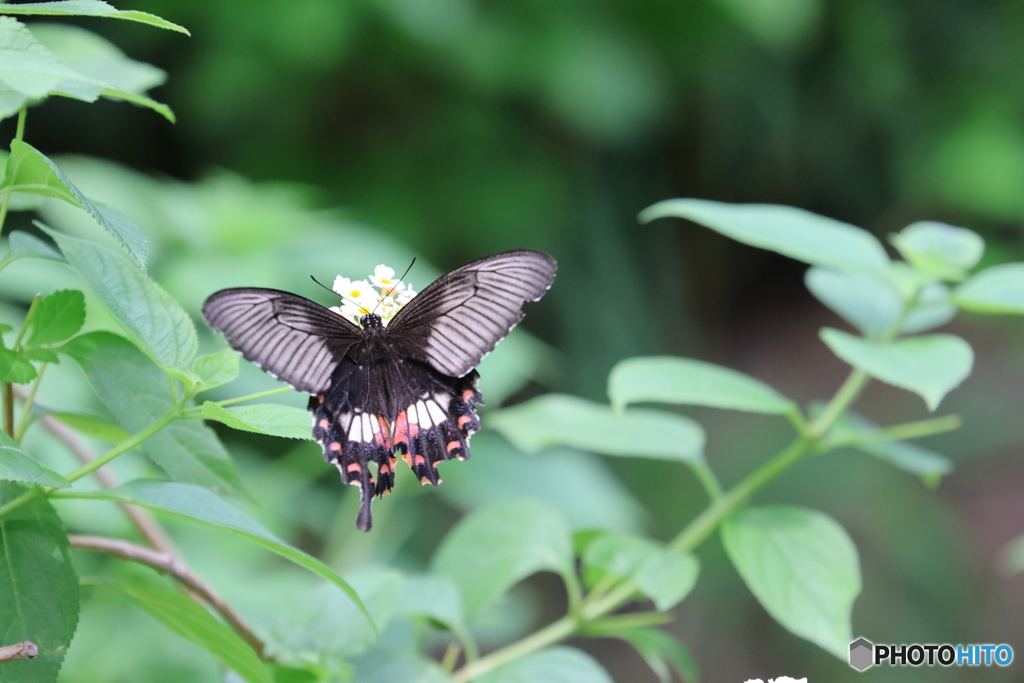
column 264, row 418
column 17, row 466
column 59, row 316
column 999, row 289
column 556, row 665
column 87, row 8
column 662, row 653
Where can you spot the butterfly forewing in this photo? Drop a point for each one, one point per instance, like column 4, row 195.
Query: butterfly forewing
column 292, row 338
column 461, row 317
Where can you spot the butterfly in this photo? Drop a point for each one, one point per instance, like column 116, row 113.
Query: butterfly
column 378, row 390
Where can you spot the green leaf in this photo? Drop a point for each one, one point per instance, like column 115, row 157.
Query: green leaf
column 136, row 393
column 191, row 621
column 14, row 368
column 906, row 456
column 15, row 465
column 792, row 232
column 103, row 69
column 554, row 665
column 262, row 418
column 88, row 8
column 557, row 419
column 28, row 170
column 801, row 566
column 42, row 355
column 942, row 250
column 668, row 577
column 620, row 554
column 873, row 307
column 436, row 597
column 661, row 651
column 930, row 366
column 999, row 289
column 155, row 321
column 38, row 587
column 192, row 502
column 216, row 369
column 93, row 426
column 28, row 245
column 25, row 65
column 58, row 316
column 665, row 379
column 494, row 548
column 385, row 664
column 11, row 102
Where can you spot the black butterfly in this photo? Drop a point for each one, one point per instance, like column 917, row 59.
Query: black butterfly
column 408, row 387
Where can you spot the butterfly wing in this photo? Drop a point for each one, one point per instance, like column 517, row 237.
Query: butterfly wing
column 291, row 338
column 460, row 317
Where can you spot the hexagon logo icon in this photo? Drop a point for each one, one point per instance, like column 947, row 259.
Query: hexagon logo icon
column 862, row 654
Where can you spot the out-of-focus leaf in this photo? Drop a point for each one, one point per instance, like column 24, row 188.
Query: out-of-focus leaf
column 25, row 244
column 11, row 103
column 136, row 393
column 16, row 466
column 87, row 8
column 385, row 665
column 943, row 250
column 666, row 379
column 42, row 355
column 216, row 369
column 930, row 366
column 15, row 368
column 620, row 554
column 664, row 575
column 554, row 665
column 190, row 620
column 495, row 547
column 27, row 67
column 557, row 419
column 58, row 316
column 92, row 426
column 872, row 307
column 436, row 597
column 999, row 289
column 262, row 418
column 906, row 456
column 38, row 587
column 28, row 170
column 1012, row 556
column 156, row 322
column 198, row 504
column 792, row 232
column 801, row 566
column 662, row 651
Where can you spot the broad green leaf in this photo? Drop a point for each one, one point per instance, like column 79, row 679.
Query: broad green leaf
column 93, row 426
column 496, row 547
column 136, row 393
column 386, row 664
column 103, row 69
column 87, row 8
column 27, row 67
column 661, row 651
column 554, row 665
column 873, row 307
column 16, row 466
column 38, row 587
column 156, row 322
column 666, row 379
column 557, row 419
column 262, row 418
column 436, row 597
column 28, row 170
column 668, row 577
column 58, row 316
column 930, row 366
column 619, row 554
column 190, row 620
column 792, row 232
column 42, row 355
column 216, row 369
column 195, row 503
column 904, row 455
column 14, row 368
column 26, row 244
column 11, row 102
column 999, row 289
column 1012, row 556
column 943, row 250
column 801, row 566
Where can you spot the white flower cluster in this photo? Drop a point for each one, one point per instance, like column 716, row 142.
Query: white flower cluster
column 780, row 679
column 360, row 297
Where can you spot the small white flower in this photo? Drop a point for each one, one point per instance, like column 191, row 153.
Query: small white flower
column 787, row 679
column 384, row 278
column 405, row 296
column 360, row 298
column 755, row 680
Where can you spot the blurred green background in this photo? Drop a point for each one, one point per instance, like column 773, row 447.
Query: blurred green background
column 323, row 137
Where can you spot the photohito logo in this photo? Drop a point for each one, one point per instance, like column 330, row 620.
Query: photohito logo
column 864, row 654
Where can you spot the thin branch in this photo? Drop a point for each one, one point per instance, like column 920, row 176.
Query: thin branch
column 166, row 563
column 9, row 409
column 26, row 649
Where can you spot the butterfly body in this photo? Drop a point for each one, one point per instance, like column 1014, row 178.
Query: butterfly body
column 379, row 392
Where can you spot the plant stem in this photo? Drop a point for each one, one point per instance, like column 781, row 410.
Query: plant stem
column 552, row 633
column 251, row 397
column 9, row 409
column 26, row 410
column 18, row 135
column 708, row 480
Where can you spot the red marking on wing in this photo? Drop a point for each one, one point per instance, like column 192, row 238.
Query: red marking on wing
column 324, row 424
column 335, row 446
column 467, row 395
column 420, row 460
column 404, row 431
column 452, row 445
column 354, row 467
column 464, row 420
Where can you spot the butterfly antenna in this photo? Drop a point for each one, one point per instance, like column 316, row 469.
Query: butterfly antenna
column 395, row 286
column 332, row 291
